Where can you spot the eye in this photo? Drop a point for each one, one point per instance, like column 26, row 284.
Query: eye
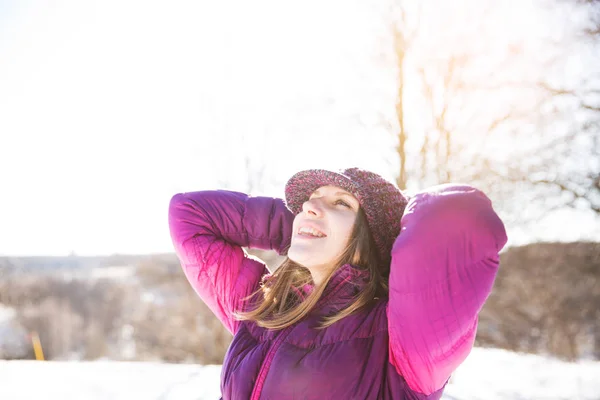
column 342, row 202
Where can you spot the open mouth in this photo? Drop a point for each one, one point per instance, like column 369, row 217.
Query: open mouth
column 310, row 232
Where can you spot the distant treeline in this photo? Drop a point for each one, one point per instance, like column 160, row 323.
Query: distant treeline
column 51, row 263
column 546, row 299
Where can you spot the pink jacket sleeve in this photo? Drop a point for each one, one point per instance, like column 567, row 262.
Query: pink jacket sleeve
column 208, row 230
column 444, row 263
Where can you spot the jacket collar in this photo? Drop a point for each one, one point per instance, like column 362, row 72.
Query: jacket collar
column 345, row 283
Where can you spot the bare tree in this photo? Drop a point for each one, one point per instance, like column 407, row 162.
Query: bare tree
column 401, row 47
column 547, row 134
column 564, row 165
column 444, row 88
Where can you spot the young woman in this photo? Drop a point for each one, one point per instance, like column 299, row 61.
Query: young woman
column 377, row 299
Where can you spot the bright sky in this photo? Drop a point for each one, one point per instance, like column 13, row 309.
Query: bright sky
column 109, row 108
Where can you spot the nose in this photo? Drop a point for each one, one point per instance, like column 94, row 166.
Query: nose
column 312, row 207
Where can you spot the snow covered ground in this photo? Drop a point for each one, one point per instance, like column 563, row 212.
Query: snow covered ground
column 488, row 374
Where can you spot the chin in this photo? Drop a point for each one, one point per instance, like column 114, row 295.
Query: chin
column 304, row 255
column 298, row 259
column 306, row 262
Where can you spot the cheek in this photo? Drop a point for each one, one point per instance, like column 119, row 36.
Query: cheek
column 349, row 225
column 344, row 232
column 295, row 226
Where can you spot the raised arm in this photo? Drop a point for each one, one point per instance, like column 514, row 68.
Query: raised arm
column 444, row 263
column 208, row 230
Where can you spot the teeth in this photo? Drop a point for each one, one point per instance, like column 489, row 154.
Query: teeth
column 310, row 231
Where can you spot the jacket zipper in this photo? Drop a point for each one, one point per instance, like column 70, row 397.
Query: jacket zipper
column 264, row 369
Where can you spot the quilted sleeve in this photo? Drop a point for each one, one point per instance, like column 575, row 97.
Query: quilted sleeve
column 208, row 230
column 444, row 263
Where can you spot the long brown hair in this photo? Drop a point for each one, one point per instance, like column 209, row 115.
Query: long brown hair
column 279, row 306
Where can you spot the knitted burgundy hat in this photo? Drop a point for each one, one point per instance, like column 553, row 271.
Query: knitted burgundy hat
column 381, row 201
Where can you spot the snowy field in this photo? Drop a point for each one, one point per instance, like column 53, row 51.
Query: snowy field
column 488, row 374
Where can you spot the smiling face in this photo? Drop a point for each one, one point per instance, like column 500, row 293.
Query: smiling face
column 322, row 230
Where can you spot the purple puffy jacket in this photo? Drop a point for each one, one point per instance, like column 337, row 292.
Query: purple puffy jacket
column 403, row 347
